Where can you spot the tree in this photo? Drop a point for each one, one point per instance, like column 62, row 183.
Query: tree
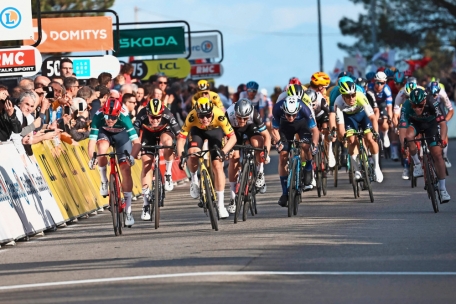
column 401, row 24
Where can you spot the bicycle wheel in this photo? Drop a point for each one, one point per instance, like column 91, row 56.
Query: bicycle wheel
column 367, row 175
column 209, row 201
column 240, row 196
column 353, row 182
column 318, row 172
column 296, row 203
column 114, row 198
column 324, row 170
column 252, row 204
column 292, row 188
column 157, row 196
column 429, row 182
column 247, row 199
column 336, row 150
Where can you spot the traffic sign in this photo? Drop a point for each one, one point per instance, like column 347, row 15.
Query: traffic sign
column 154, row 41
column 24, row 61
column 83, row 67
column 178, row 68
column 206, row 70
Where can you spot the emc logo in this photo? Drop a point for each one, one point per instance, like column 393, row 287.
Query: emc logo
column 10, row 17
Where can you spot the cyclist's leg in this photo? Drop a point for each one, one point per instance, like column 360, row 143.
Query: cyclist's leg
column 234, row 166
column 383, row 124
column 166, row 139
column 122, row 143
column 147, row 139
column 103, row 144
column 286, row 133
column 351, row 125
column 257, row 141
column 195, row 143
column 366, row 125
column 411, row 132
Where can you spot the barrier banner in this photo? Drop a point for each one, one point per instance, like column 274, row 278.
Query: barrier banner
column 48, row 204
column 11, row 227
column 24, row 198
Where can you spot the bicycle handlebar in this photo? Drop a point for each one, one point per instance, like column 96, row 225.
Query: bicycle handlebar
column 158, row 147
column 201, row 153
column 248, row 147
column 421, row 139
column 112, row 154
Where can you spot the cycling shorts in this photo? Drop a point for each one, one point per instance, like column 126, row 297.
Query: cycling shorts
column 382, row 107
column 197, row 137
column 243, row 134
column 153, row 139
column 430, row 129
column 356, row 121
column 321, row 120
column 120, row 141
column 287, row 131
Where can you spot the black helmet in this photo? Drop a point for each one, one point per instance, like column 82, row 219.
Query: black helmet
column 243, row 107
column 361, row 81
column 417, row 96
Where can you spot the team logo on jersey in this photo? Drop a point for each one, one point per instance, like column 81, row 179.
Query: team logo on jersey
column 221, row 118
column 191, row 118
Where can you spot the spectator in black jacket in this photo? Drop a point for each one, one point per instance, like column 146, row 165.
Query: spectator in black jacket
column 8, row 121
column 80, row 128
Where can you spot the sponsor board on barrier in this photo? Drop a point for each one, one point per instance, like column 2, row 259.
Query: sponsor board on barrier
column 83, row 67
column 15, row 19
column 23, row 61
column 74, row 34
column 24, row 197
column 203, row 47
column 178, row 68
column 206, row 70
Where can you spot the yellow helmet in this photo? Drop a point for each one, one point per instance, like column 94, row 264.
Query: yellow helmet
column 320, row 79
column 203, row 85
column 203, row 105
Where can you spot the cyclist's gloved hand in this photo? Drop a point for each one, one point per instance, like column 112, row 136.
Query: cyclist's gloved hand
column 314, row 149
column 221, row 154
column 444, row 143
column 92, row 163
column 182, row 163
column 131, row 160
column 267, row 160
column 279, row 146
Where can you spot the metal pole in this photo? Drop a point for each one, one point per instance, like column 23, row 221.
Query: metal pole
column 320, row 42
column 374, row 27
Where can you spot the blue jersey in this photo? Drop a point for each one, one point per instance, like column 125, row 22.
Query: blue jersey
column 385, row 95
column 304, row 113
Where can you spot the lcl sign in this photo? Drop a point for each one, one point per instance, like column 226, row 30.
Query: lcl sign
column 206, row 70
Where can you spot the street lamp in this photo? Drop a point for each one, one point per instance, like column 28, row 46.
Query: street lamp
column 320, row 43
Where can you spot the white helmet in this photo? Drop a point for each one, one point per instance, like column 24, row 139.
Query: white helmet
column 381, row 76
column 291, row 106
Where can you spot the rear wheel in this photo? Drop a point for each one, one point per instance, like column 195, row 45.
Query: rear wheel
column 209, row 201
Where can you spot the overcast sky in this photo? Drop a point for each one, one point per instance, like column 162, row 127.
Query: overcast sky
column 266, row 41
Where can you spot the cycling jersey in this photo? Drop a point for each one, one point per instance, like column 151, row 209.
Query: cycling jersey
column 257, row 101
column 400, row 99
column 167, row 121
column 430, row 113
column 371, row 98
column 214, row 97
column 361, row 104
column 384, row 96
column 304, row 114
column 123, row 123
column 219, row 120
column 321, row 107
column 443, row 96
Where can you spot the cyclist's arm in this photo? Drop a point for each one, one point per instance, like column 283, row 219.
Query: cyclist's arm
column 276, row 114
column 139, row 120
column 175, row 128
column 262, row 129
column 96, row 123
column 126, row 121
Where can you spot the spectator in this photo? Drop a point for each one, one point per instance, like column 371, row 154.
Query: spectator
column 114, row 94
column 105, row 79
column 266, row 104
column 58, row 79
column 72, row 86
column 118, row 82
column 98, row 103
column 126, row 70
column 79, row 128
column 175, row 102
column 86, row 93
column 129, row 101
column 140, row 94
column 8, row 120
column 276, row 94
column 223, row 94
column 162, row 83
column 27, row 84
column 41, row 80
column 93, row 83
column 126, row 89
column 231, row 92
column 66, row 67
column 188, row 94
column 40, row 84
column 241, row 88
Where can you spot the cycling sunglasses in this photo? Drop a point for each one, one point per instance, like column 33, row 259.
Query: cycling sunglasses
column 155, row 117
column 252, row 91
column 242, row 118
column 111, row 117
column 208, row 115
column 418, row 106
column 291, row 115
column 350, row 95
column 379, row 83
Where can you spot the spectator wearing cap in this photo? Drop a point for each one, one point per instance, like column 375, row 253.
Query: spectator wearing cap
column 79, row 129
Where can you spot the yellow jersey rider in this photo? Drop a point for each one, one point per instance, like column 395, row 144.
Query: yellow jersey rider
column 203, row 91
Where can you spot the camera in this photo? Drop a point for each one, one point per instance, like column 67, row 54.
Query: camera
column 49, row 92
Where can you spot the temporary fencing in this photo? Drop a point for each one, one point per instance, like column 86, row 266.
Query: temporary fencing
column 54, row 186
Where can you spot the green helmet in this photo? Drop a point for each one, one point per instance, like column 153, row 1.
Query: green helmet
column 347, row 87
column 417, row 96
column 409, row 86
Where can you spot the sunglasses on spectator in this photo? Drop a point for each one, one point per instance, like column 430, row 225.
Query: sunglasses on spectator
column 418, row 106
column 349, row 95
column 251, row 91
column 110, row 117
column 379, row 83
column 242, row 118
column 291, row 115
column 162, row 82
column 208, row 115
column 155, row 117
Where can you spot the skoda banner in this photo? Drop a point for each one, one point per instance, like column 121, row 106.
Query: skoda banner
column 15, row 19
column 178, row 68
column 203, row 47
column 154, row 41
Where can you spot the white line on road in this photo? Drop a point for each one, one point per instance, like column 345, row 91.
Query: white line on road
column 231, row 273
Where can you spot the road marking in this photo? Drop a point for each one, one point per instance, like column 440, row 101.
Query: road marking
column 231, row 273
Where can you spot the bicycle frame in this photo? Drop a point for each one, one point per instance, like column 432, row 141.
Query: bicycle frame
column 295, row 153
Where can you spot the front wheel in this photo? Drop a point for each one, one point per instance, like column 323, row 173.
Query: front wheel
column 209, row 201
column 114, row 204
column 429, row 182
column 292, row 187
column 367, row 171
column 241, row 191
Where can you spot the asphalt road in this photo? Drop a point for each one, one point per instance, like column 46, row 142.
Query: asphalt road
column 338, row 250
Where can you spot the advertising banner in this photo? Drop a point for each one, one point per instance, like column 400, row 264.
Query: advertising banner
column 16, row 20
column 203, row 47
column 154, row 41
column 74, row 34
column 24, row 61
column 143, row 69
column 207, row 70
column 83, row 67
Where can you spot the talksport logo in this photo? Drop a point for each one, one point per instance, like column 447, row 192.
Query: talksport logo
column 10, row 17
